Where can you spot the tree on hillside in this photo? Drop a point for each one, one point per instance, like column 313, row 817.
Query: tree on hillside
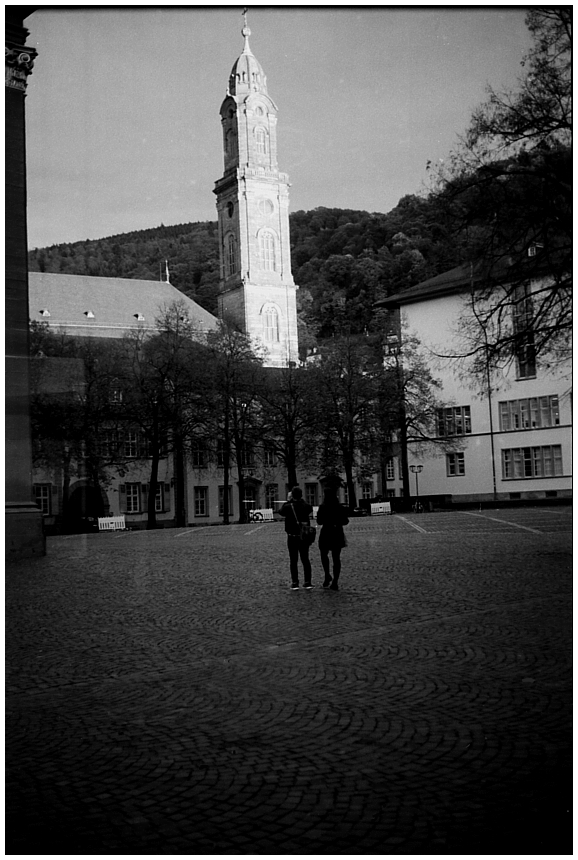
column 510, row 192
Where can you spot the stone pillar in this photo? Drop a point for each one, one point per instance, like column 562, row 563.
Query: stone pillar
column 23, row 519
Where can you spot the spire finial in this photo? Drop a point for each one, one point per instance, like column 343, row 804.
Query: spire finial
column 246, row 31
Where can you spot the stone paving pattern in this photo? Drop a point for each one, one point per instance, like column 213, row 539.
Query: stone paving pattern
column 168, row 694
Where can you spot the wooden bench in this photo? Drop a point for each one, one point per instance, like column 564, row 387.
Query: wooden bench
column 111, row 524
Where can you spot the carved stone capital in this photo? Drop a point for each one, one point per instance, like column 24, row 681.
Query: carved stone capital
column 19, row 61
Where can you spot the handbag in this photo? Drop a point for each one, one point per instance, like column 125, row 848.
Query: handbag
column 306, row 532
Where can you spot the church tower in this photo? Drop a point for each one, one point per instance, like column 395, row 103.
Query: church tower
column 256, row 290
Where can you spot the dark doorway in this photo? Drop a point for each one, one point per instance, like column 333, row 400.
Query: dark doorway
column 85, row 506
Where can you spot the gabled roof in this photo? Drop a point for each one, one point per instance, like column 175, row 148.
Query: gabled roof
column 453, row 281
column 105, row 307
column 468, row 275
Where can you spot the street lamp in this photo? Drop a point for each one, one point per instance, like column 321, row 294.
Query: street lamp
column 416, row 469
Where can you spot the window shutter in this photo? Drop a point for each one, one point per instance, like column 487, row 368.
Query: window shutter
column 122, row 498
column 59, row 497
column 167, row 498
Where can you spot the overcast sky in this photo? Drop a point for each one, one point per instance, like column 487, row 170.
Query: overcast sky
column 122, row 110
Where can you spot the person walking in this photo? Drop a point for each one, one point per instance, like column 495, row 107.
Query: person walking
column 297, row 511
column 331, row 516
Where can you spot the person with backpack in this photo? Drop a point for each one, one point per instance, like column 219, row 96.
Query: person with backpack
column 297, row 512
column 331, row 516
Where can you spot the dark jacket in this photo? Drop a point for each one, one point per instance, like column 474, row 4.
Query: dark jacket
column 332, row 518
column 303, row 512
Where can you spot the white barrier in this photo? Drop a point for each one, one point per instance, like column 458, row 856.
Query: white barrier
column 260, row 514
column 380, row 508
column 111, row 523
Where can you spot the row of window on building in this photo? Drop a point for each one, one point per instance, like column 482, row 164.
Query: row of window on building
column 539, row 461
column 544, row 461
column 526, row 413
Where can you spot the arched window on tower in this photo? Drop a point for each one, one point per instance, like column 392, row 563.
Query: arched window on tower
column 231, row 256
column 261, row 141
column 271, row 324
column 267, row 254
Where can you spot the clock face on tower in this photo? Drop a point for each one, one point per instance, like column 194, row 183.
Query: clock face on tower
column 266, row 207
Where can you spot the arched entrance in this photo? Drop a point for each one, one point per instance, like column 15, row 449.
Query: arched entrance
column 85, row 505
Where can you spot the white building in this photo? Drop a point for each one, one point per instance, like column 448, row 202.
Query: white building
column 515, row 439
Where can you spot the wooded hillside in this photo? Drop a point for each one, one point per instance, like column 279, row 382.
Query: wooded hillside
column 341, row 258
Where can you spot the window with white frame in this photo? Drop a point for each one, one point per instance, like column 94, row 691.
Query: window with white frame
column 109, row 443
column 455, row 464
column 131, row 444
column 454, row 421
column 366, row 490
column 390, row 469
column 311, row 494
column 539, row 461
column 269, row 457
column 201, row 501
column 271, row 496
column 267, row 251
column 133, row 494
column 529, row 413
column 43, row 495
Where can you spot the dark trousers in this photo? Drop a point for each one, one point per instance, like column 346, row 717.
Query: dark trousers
column 336, row 554
column 298, row 550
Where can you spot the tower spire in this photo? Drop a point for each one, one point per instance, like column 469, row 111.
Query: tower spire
column 246, row 32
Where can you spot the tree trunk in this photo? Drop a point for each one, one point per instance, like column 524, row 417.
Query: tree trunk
column 179, row 460
column 403, row 455
column 65, row 484
column 152, row 514
column 226, row 468
column 291, row 465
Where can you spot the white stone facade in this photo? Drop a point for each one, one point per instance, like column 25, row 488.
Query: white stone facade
column 257, row 291
column 517, row 441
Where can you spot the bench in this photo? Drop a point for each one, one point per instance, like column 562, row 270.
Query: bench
column 111, row 524
column 380, row 508
column 260, row 514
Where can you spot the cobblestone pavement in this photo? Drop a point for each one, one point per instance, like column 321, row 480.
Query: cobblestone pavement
column 168, row 694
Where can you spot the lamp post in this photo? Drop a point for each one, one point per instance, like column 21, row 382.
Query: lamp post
column 416, row 469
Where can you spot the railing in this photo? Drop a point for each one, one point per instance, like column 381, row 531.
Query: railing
column 111, row 524
column 380, row 508
column 260, row 514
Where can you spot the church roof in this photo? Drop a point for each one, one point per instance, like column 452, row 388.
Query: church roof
column 247, row 75
column 105, row 307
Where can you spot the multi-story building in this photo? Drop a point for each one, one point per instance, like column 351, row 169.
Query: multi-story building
column 257, row 295
column 513, row 433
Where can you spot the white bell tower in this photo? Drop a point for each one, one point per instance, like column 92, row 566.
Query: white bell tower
column 256, row 291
